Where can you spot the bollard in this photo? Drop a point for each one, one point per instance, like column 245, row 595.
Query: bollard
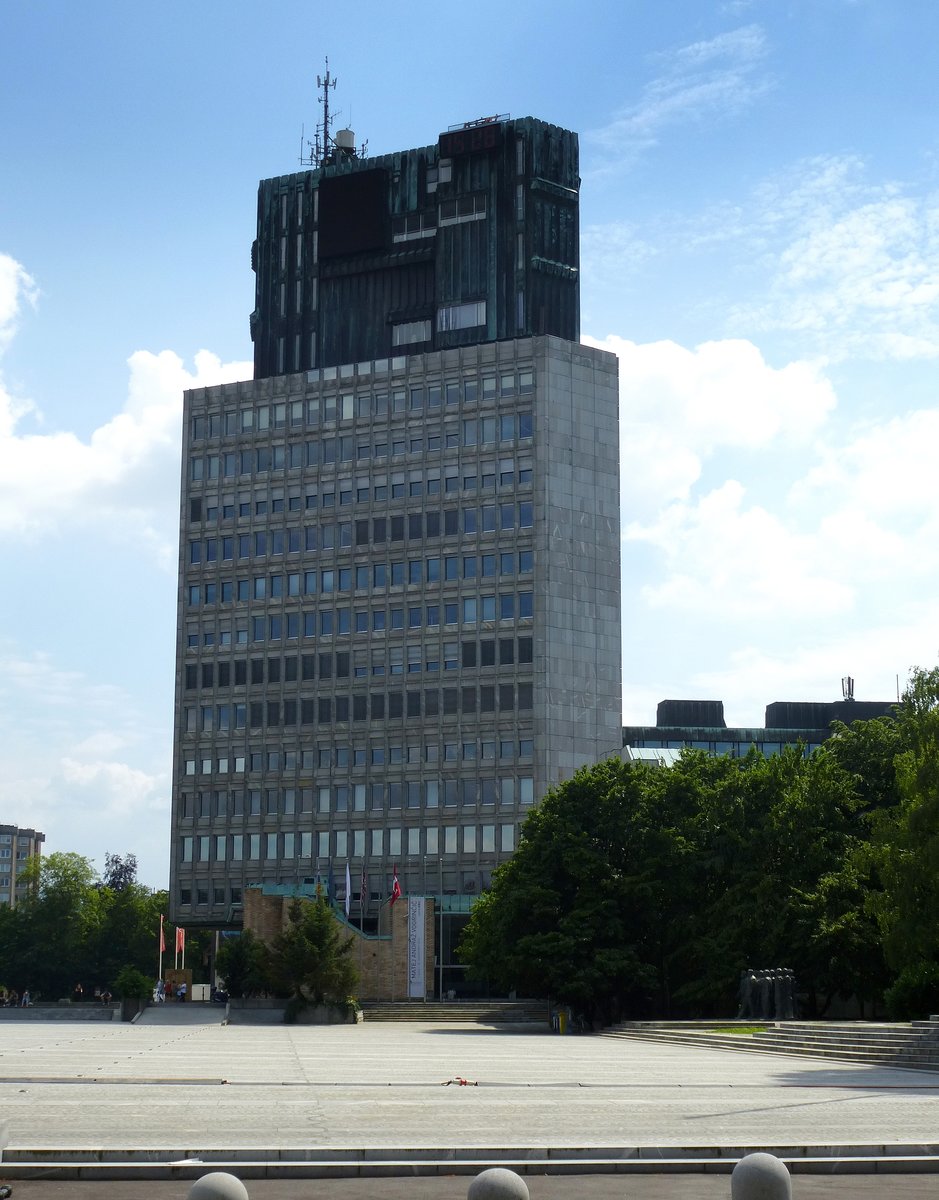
column 218, row 1185
column 496, row 1183
column 760, row 1177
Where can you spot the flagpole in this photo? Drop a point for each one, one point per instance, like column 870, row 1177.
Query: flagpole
column 161, row 943
column 395, row 893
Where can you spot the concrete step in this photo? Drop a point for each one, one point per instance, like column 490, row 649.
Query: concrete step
column 851, row 1039
column 913, row 1053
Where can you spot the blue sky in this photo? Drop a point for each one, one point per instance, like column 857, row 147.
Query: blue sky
column 760, row 244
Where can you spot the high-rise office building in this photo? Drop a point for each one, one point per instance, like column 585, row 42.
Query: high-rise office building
column 399, row 616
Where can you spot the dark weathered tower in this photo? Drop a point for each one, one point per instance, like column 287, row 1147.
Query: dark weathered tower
column 474, row 239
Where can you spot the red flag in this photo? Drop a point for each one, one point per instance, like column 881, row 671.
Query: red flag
column 162, row 937
column 180, row 940
column 395, row 886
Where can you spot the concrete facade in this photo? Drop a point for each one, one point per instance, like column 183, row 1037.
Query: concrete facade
column 398, row 618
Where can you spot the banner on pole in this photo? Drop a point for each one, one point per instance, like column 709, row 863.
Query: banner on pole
column 417, row 947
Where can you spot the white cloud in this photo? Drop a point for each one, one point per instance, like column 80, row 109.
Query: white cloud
column 16, row 289
column 859, row 270
column 123, row 480
column 680, row 406
column 837, row 264
column 118, row 789
column 697, row 82
column 885, row 470
column 809, row 555
column 726, row 559
column 85, row 767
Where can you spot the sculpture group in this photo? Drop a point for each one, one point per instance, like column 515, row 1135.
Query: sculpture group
column 767, row 995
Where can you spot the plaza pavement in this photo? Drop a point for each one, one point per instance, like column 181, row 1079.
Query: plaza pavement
column 180, row 1085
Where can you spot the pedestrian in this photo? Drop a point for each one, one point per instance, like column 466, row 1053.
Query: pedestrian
column 181, row 992
column 161, row 992
column 25, row 1001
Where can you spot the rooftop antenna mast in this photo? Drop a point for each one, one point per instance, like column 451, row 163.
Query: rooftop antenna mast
column 326, row 149
column 322, row 150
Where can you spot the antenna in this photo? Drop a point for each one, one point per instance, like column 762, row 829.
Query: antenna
column 326, row 149
column 847, row 687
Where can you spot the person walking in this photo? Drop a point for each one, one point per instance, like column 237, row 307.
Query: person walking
column 181, row 992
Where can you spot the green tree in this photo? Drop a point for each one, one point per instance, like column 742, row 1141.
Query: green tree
column 60, row 914
column 637, row 889
column 310, row 960
column 906, row 836
column 867, row 751
column 119, row 873
column 131, row 984
column 128, row 928
column 243, row 963
column 576, row 913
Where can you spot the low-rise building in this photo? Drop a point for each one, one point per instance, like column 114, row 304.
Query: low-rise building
column 700, row 725
column 17, row 846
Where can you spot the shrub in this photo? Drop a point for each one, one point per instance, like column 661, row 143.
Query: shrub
column 915, row 993
column 132, row 984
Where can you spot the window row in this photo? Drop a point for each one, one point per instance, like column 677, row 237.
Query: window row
column 506, row 791
column 375, row 620
column 487, row 652
column 506, row 430
column 508, row 472
column 379, row 531
column 349, row 843
column 329, row 623
column 362, row 405
column 364, row 706
column 374, row 576
column 281, row 759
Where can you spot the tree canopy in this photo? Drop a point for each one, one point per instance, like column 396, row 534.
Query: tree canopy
column 310, row 961
column 640, row 890
column 73, row 927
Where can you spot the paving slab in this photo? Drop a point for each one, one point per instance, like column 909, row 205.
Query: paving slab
column 544, row 1187
column 185, row 1089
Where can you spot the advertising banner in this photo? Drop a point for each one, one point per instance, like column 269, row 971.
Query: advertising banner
column 416, row 947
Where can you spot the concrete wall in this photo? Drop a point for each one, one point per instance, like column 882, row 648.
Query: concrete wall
column 381, row 961
column 577, row 623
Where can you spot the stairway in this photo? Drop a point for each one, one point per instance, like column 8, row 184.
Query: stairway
column 478, row 1012
column 914, row 1044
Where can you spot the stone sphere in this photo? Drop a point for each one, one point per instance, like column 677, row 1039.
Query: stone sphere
column 218, row 1185
column 498, row 1183
column 760, row 1177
